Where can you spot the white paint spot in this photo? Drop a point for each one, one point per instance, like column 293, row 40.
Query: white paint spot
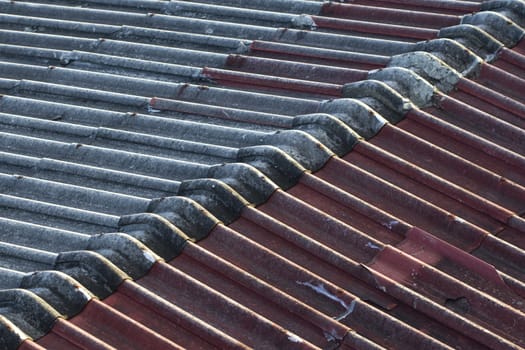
column 85, row 293
column 149, row 256
column 152, row 110
column 490, row 58
column 294, row 338
column 21, row 335
column 348, row 311
column 323, row 291
column 304, row 21
column 460, row 220
column 320, row 289
column 372, row 245
column 389, row 225
column 329, row 337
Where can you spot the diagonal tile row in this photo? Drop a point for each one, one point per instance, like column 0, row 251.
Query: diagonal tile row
column 335, row 182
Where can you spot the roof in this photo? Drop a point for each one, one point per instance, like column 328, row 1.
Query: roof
column 277, row 174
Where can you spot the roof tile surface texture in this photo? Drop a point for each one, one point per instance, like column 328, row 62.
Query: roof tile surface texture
column 262, row 174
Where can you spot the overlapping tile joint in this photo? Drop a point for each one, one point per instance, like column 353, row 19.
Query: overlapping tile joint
column 272, row 174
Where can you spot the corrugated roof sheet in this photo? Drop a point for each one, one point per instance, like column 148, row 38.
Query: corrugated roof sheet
column 270, row 174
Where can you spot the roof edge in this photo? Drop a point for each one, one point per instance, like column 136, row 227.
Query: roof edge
column 280, row 167
column 192, row 219
column 92, row 270
column 381, row 97
column 29, row 312
column 217, row 197
column 59, row 290
column 155, row 232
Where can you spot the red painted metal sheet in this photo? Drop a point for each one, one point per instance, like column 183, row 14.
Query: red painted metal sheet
column 265, row 299
column 261, row 234
column 458, row 297
column 502, row 198
column 511, row 61
column 309, row 254
column 463, row 266
column 310, row 55
column 443, row 225
column 119, row 330
column 66, row 335
column 335, row 202
column 502, row 120
column 372, row 29
column 401, row 312
column 434, row 6
column 168, row 320
column 519, row 48
column 501, row 96
column 30, row 345
column 431, row 250
column 429, row 186
column 305, row 225
column 221, row 312
column 400, row 203
column 313, row 290
column 334, row 234
column 507, row 84
column 480, row 123
column 256, row 260
column 387, row 14
column 451, row 167
column 254, row 81
column 350, row 209
column 464, row 144
column 295, row 70
column 512, row 236
column 504, row 256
